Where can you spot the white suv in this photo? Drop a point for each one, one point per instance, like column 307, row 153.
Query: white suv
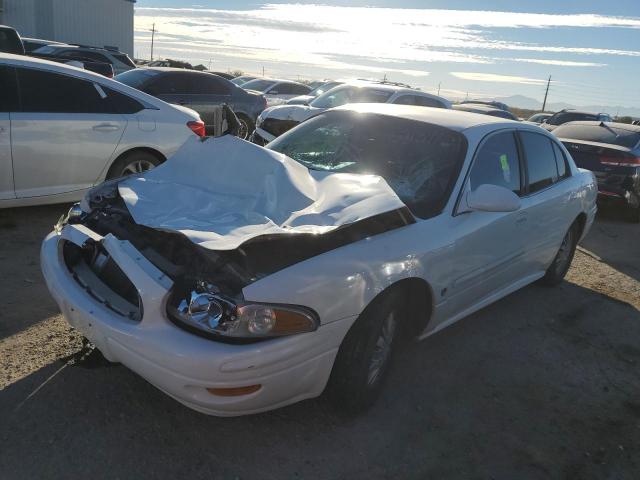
column 63, row 130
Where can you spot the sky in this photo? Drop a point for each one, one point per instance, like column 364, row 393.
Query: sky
column 474, row 48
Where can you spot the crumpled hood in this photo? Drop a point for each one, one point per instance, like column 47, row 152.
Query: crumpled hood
column 299, row 113
column 224, row 191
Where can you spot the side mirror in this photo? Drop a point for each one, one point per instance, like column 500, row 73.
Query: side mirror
column 492, row 198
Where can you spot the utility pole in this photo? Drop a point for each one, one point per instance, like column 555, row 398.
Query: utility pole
column 439, row 88
column 210, row 60
column 153, row 34
column 544, row 104
column 263, row 70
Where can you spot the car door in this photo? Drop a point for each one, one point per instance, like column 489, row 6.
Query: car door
column 64, row 134
column 8, row 104
column 205, row 94
column 545, row 200
column 489, row 246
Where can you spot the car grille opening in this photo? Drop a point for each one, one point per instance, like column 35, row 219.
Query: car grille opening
column 96, row 272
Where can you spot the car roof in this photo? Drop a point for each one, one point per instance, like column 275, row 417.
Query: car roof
column 581, row 112
column 451, row 119
column 596, row 123
column 476, row 107
column 26, row 61
column 176, row 69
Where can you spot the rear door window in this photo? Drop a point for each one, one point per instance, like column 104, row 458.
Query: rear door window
column 541, row 161
column 8, row 89
column 48, row 92
column 498, row 163
column 170, row 84
column 207, row 84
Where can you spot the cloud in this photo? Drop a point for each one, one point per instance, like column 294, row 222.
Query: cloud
column 494, row 77
column 561, row 63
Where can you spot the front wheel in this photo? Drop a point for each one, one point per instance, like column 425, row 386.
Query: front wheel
column 364, row 357
column 560, row 265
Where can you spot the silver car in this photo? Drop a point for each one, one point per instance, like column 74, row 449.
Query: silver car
column 64, row 130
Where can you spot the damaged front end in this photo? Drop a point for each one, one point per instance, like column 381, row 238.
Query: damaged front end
column 206, row 297
column 212, row 238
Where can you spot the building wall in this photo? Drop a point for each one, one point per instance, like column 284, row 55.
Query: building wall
column 90, row 22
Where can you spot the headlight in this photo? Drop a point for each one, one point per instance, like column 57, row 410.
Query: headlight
column 74, row 215
column 217, row 316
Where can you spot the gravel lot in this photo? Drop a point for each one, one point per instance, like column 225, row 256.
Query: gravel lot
column 543, row 384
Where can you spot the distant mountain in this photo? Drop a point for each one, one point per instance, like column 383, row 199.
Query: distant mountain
column 521, row 101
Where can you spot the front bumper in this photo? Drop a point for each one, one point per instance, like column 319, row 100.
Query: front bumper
column 177, row 362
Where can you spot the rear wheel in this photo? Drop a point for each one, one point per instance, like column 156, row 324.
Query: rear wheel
column 560, row 265
column 364, row 357
column 245, row 128
column 133, row 162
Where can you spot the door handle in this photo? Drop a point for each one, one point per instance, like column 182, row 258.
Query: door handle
column 106, row 127
column 1, row 129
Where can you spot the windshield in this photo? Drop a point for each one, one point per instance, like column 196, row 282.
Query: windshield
column 136, row 78
column 350, row 94
column 320, row 89
column 259, row 85
column 46, row 50
column 123, row 58
column 564, row 117
column 241, row 80
column 597, row 133
column 419, row 161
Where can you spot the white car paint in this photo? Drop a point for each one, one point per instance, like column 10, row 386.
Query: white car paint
column 469, row 258
column 56, row 157
column 300, row 113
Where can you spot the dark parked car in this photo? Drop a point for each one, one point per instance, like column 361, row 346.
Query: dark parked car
column 200, row 91
column 10, row 41
column 612, row 152
column 566, row 116
column 485, row 110
column 119, row 61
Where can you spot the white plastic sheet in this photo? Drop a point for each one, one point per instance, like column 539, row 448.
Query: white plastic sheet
column 225, row 191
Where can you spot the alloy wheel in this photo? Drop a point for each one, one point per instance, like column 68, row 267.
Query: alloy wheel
column 382, row 350
column 137, row 166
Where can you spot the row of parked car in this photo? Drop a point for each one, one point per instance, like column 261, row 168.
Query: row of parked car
column 47, row 90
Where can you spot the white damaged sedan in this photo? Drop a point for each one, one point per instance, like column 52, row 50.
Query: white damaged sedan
column 239, row 279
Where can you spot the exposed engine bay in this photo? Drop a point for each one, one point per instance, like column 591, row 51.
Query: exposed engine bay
column 187, row 263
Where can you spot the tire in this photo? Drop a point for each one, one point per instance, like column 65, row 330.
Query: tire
column 246, row 127
column 134, row 162
column 363, row 359
column 561, row 263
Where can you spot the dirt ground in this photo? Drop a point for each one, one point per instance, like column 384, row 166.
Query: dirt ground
column 543, row 384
